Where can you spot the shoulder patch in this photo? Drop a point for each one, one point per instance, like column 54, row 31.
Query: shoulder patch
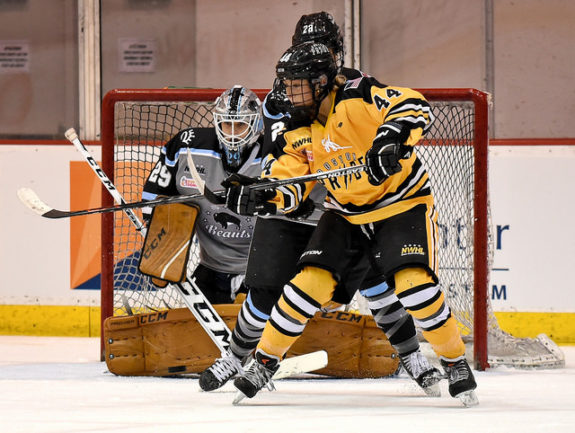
column 359, row 87
column 298, row 137
column 200, row 138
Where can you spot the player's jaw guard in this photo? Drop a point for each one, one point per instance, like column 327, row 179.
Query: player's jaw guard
column 311, row 62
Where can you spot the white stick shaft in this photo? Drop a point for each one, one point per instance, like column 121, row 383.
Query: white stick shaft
column 194, row 299
column 73, row 138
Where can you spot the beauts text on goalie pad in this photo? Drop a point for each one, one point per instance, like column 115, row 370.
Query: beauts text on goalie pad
column 57, row 384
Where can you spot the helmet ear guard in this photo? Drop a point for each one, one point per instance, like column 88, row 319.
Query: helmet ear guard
column 241, row 108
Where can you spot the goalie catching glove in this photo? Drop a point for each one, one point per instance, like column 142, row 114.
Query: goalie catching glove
column 388, row 147
column 243, row 200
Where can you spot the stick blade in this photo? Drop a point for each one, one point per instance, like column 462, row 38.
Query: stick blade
column 31, row 200
column 302, row 364
column 293, row 366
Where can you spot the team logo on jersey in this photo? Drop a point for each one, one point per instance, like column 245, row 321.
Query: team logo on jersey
column 411, row 249
column 330, row 146
column 224, row 219
column 309, row 155
column 187, row 182
column 187, row 136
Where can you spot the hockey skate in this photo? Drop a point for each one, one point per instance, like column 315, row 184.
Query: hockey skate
column 257, row 376
column 222, row 370
column 461, row 380
column 419, row 369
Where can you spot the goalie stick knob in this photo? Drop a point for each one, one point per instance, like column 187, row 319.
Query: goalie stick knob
column 71, row 134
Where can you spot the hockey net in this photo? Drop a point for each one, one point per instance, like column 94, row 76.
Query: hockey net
column 136, row 123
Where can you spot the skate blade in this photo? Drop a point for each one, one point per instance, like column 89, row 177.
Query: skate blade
column 433, row 390
column 239, row 397
column 468, row 398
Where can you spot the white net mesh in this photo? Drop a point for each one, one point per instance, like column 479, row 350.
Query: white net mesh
column 141, row 127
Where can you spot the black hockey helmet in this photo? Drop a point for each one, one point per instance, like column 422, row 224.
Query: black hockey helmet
column 320, row 27
column 308, row 61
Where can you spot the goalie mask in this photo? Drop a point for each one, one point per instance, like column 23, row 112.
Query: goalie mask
column 320, row 27
column 238, row 122
column 305, row 74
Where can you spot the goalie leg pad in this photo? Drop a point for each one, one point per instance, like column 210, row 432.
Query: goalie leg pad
column 172, row 342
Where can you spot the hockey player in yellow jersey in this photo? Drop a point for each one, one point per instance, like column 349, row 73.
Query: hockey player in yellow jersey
column 279, row 240
column 384, row 217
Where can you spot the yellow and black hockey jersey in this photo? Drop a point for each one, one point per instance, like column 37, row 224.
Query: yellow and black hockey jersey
column 357, row 110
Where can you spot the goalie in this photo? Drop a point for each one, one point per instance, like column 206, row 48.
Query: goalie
column 232, row 145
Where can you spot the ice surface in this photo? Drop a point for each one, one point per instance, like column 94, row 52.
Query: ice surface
column 50, row 384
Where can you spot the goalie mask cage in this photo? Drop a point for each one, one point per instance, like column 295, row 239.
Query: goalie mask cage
column 136, row 123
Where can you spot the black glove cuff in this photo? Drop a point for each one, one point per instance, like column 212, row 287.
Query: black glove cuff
column 392, row 132
column 303, row 211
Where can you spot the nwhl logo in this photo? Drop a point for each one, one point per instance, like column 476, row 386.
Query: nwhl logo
column 407, row 250
column 301, row 142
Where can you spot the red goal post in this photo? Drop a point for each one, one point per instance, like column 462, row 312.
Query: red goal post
column 458, row 153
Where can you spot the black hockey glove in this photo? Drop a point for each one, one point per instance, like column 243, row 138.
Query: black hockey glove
column 388, row 148
column 303, row 211
column 243, row 200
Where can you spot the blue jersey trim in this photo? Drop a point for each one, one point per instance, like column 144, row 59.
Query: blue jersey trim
column 204, row 152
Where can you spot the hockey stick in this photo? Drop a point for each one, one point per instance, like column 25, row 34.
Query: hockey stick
column 295, row 365
column 213, row 197
column 288, row 367
column 217, row 196
column 192, row 296
column 274, row 183
column 33, row 202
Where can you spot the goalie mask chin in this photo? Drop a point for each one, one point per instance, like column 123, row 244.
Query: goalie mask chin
column 238, row 122
column 305, row 74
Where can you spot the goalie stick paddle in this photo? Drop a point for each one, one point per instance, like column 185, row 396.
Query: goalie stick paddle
column 213, row 197
column 292, row 366
column 192, row 296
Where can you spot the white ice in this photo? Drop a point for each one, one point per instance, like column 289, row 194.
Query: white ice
column 50, row 384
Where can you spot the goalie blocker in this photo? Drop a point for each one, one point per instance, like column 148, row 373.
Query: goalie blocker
column 172, row 342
